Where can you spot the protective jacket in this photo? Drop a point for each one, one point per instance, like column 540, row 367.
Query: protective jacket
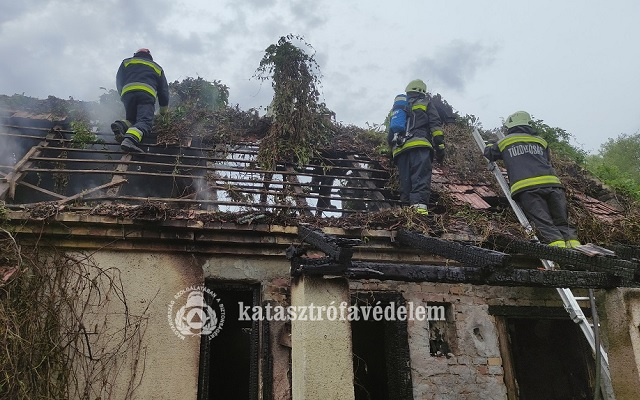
column 526, row 157
column 424, row 128
column 141, row 74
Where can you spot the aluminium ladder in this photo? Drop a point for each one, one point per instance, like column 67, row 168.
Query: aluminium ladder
column 568, row 299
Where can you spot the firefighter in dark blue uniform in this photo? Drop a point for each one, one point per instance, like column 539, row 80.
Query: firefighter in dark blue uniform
column 413, row 152
column 534, row 184
column 140, row 82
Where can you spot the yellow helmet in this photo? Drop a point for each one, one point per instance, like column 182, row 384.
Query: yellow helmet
column 518, row 118
column 416, row 85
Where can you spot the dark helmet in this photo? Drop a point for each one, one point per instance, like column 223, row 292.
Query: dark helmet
column 142, row 50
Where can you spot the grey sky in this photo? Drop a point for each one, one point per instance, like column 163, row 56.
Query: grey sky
column 571, row 63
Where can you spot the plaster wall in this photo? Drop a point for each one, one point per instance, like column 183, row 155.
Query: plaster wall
column 623, row 336
column 165, row 366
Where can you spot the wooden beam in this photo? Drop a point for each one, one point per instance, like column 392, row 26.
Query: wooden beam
column 466, row 254
column 507, row 358
column 300, row 196
column 119, row 178
column 571, row 259
column 15, row 176
column 338, row 249
column 376, row 195
column 39, row 189
column 532, row 311
column 470, row 275
column 88, row 191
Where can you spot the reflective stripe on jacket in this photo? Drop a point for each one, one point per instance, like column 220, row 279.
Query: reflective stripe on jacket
column 424, row 127
column 526, row 157
column 141, row 74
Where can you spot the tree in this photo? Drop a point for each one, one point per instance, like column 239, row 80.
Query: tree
column 618, row 164
column 623, row 153
column 559, row 141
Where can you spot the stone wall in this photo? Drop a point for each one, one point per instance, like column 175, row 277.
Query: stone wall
column 474, row 370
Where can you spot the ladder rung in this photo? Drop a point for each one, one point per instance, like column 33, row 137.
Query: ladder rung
column 581, row 298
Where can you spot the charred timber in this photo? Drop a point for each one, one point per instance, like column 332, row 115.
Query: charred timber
column 466, row 254
column 627, row 252
column 468, row 275
column 338, row 249
column 571, row 259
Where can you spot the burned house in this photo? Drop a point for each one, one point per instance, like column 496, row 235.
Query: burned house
column 191, row 272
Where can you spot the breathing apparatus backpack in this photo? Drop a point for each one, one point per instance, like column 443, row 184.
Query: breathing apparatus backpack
column 398, row 120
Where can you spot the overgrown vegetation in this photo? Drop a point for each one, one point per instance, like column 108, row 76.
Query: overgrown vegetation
column 618, row 164
column 300, row 123
column 53, row 344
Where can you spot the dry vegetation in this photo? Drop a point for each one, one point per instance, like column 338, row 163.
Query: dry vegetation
column 52, row 344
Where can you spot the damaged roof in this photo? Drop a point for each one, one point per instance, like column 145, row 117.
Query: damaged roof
column 42, row 163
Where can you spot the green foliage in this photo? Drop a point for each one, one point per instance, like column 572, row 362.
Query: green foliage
column 300, row 123
column 199, row 93
column 110, row 98
column 559, row 141
column 82, row 135
column 58, row 108
column 624, row 153
column 470, row 121
column 618, row 164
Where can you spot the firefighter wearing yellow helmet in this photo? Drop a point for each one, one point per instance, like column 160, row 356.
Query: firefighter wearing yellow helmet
column 414, row 150
column 534, row 183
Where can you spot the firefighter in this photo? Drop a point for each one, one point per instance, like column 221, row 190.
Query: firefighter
column 414, row 151
column 140, row 82
column 533, row 180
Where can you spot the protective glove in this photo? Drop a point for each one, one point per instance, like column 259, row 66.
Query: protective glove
column 440, row 154
column 164, row 110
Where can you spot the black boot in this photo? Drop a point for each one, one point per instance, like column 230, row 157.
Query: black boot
column 119, row 128
column 128, row 145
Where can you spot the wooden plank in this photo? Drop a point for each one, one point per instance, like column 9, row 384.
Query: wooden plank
column 470, row 275
column 571, row 259
column 300, row 196
column 339, row 249
column 466, row 254
column 15, row 176
column 118, row 178
column 88, row 191
column 376, row 195
column 211, row 193
column 507, row 359
column 39, row 189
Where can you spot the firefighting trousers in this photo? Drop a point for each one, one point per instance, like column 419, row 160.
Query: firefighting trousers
column 546, row 209
column 139, row 110
column 414, row 169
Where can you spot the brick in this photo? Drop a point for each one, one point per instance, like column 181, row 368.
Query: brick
column 479, row 361
column 495, row 370
column 482, row 369
column 456, row 290
column 494, row 361
column 464, row 360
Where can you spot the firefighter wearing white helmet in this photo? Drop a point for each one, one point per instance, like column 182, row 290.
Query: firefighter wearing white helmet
column 140, row 82
column 533, row 180
column 414, row 151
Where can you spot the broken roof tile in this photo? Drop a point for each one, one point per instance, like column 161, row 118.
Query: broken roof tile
column 472, row 199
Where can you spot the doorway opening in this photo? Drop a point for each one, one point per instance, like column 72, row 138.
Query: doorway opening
column 229, row 361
